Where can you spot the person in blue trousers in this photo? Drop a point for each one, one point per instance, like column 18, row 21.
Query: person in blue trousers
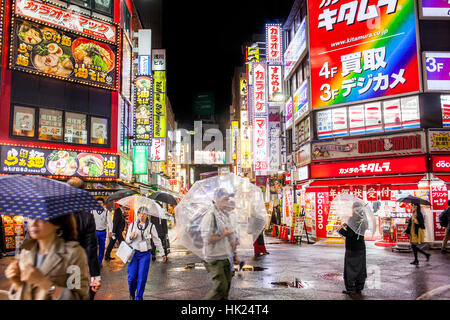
column 139, row 237
column 103, row 225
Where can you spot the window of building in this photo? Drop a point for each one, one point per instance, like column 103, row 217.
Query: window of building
column 81, row 3
column 24, row 122
column 99, row 131
column 126, row 20
column 100, row 6
column 104, row 6
column 299, row 74
column 298, row 21
column 50, row 125
column 75, row 130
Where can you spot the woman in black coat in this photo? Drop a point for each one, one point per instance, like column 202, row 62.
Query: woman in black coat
column 355, row 272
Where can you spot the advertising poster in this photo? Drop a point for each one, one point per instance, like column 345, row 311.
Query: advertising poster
column 324, row 124
column 361, row 50
column 301, row 106
column 25, row 160
column 439, row 141
column 53, row 52
column 289, row 113
column 143, row 111
column 445, row 105
column 295, row 50
column 437, row 75
column 126, row 169
column 357, row 123
column 373, row 117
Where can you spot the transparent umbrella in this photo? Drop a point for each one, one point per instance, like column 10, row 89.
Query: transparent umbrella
column 136, row 202
column 215, row 204
column 356, row 213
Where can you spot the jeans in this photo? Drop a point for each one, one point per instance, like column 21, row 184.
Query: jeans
column 138, row 272
column 101, row 238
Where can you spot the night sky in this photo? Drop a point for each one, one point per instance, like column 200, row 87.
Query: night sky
column 203, row 40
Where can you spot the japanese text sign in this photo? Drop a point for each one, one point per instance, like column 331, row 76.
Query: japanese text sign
column 437, row 75
column 273, row 43
column 140, row 160
column 415, row 164
column 439, row 196
column 260, row 143
column 143, row 111
column 71, row 21
column 25, row 160
column 158, row 150
column 62, row 54
column 275, row 81
column 259, row 88
column 362, row 49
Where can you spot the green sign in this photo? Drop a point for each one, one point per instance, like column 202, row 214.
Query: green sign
column 143, row 178
column 140, row 159
column 203, row 104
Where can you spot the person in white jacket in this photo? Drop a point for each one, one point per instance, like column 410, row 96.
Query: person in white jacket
column 139, row 237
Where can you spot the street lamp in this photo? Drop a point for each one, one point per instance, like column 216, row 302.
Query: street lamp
column 279, row 97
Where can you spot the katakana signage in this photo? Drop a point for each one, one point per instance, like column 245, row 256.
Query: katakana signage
column 362, row 49
column 259, row 89
column 143, row 111
column 274, row 42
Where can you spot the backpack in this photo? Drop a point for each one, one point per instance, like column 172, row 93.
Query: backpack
column 443, row 218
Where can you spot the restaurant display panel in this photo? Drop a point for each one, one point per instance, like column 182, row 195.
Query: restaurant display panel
column 48, row 50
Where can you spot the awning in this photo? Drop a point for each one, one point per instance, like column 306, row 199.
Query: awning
column 445, row 178
column 403, row 180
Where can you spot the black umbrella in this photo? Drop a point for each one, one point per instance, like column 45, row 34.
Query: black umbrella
column 121, row 194
column 164, row 197
column 414, row 200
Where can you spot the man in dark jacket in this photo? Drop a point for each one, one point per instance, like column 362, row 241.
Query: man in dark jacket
column 118, row 227
column 87, row 237
column 447, row 229
column 163, row 234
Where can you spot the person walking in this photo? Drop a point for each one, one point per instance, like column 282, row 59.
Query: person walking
column 103, row 226
column 355, row 270
column 163, row 234
column 47, row 263
column 87, row 238
column 139, row 236
column 220, row 242
column 259, row 247
column 117, row 229
column 444, row 219
column 415, row 230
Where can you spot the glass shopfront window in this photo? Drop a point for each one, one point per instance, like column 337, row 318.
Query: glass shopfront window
column 104, row 6
column 75, row 130
column 24, row 122
column 99, row 131
column 50, row 125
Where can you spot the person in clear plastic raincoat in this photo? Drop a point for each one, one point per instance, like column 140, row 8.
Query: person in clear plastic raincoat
column 221, row 241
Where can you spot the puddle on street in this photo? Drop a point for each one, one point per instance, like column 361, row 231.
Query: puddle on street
column 296, row 283
column 330, row 276
column 200, row 266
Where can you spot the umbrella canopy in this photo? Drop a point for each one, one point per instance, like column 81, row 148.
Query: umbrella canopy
column 414, row 200
column 164, row 197
column 357, row 214
column 121, row 194
column 215, row 204
column 137, row 202
column 42, row 198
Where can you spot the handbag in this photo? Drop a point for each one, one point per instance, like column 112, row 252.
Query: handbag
column 125, row 252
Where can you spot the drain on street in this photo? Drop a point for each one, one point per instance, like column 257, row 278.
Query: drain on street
column 290, row 284
column 192, row 266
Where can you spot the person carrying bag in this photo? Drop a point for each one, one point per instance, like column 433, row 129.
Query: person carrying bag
column 139, row 238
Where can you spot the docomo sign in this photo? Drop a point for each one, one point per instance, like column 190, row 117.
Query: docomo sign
column 362, row 49
column 62, row 18
column 321, row 214
column 440, row 163
column 391, row 166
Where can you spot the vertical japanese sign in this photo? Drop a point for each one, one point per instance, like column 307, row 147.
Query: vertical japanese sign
column 438, row 197
column 246, row 148
column 158, row 149
column 260, row 143
column 159, row 59
column 274, row 139
column 243, row 93
column 275, row 82
column 361, row 50
column 259, row 89
column 140, row 159
column 143, row 111
column 273, row 43
column 2, row 12
column 234, row 139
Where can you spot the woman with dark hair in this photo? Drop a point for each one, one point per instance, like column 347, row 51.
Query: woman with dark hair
column 415, row 229
column 139, row 237
column 52, row 265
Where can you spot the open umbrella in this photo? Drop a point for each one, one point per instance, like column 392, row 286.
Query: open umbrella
column 121, row 194
column 355, row 213
column 215, row 204
column 42, row 198
column 414, row 200
column 139, row 201
column 164, row 197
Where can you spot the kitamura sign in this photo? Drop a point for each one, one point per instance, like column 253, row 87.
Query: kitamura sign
column 362, row 49
column 415, row 164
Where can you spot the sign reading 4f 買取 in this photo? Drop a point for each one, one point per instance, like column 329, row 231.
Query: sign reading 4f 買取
column 363, row 49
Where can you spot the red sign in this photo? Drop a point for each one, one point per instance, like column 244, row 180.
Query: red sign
column 415, row 164
column 439, row 232
column 385, row 193
column 273, row 41
column 440, row 163
column 439, row 196
column 53, row 15
column 333, row 192
column 259, row 88
column 400, row 234
column 287, row 178
column 358, row 191
column 372, row 193
column 322, row 206
column 345, row 190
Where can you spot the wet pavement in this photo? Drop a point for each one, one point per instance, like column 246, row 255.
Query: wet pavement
column 289, row 272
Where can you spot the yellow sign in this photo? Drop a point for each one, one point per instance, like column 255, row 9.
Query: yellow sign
column 159, row 126
column 441, row 141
